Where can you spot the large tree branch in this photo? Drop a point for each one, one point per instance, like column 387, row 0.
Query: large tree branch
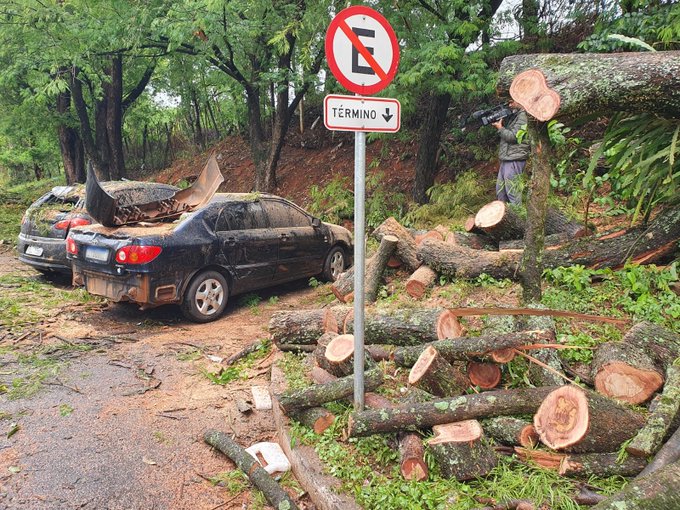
column 132, row 96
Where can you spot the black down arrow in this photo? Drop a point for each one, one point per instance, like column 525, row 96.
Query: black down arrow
column 387, row 115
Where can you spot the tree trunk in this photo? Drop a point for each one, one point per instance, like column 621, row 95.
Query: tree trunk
column 470, row 240
column 313, row 396
column 464, row 348
column 583, row 464
column 461, row 450
column 669, row 453
column 464, row 407
column 551, row 240
column 511, row 431
column 69, row 142
column 548, row 375
column 537, row 203
column 624, row 372
column 557, row 223
column 430, row 134
column 639, row 244
column 274, row 494
column 584, row 421
column 421, row 279
column 593, row 83
column 661, row 344
column 434, row 374
column 499, row 221
column 301, row 326
column 406, row 247
column 658, row 492
column 485, row 375
column 660, row 421
column 114, row 117
column 407, row 327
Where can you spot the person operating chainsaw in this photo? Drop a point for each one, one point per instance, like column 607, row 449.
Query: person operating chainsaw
column 512, row 154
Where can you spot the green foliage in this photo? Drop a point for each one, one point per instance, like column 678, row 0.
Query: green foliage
column 451, row 202
column 65, row 410
column 252, row 301
column 333, row 202
column 381, row 202
column 238, row 371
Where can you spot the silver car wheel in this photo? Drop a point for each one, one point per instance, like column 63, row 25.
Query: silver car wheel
column 209, row 297
column 337, row 264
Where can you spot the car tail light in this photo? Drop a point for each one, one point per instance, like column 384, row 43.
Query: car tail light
column 137, row 254
column 71, row 246
column 71, row 222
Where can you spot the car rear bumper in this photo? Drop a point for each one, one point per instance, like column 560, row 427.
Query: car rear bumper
column 52, row 255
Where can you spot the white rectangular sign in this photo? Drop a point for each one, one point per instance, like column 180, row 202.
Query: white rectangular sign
column 359, row 113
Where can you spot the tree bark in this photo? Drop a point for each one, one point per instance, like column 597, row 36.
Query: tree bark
column 540, row 375
column 499, row 221
column 658, row 492
column 464, row 407
column 584, row 422
column 407, row 327
column 275, row 495
column 114, row 117
column 661, row 344
column 669, row 453
column 583, row 464
column 437, row 376
column 660, row 421
column 511, row 431
column 468, row 347
column 471, row 240
column 72, row 153
column 551, row 240
column 301, row 326
column 339, row 354
column 406, row 246
column 624, row 372
column 642, row 245
column 593, row 83
column 436, row 108
column 461, row 450
column 316, row 418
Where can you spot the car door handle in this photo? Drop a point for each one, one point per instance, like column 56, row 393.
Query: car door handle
column 284, row 237
column 231, row 241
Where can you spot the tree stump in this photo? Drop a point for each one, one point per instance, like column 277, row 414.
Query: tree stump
column 435, row 375
column 301, row 326
column 485, row 375
column 406, row 246
column 461, row 450
column 511, row 431
column 421, row 279
column 584, row 422
column 624, row 372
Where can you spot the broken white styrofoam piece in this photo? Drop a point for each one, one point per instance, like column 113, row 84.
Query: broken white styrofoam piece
column 275, row 461
column 261, row 398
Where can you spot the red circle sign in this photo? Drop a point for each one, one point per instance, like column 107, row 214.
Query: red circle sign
column 362, row 50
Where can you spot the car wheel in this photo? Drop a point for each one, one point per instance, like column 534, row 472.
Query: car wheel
column 334, row 264
column 206, row 297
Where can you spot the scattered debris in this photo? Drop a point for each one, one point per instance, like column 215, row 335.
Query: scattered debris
column 261, row 398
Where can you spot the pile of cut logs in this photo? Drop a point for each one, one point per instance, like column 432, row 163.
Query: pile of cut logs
column 493, row 244
column 450, row 391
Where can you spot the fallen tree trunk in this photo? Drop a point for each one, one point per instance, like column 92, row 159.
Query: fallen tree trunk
column 462, row 451
column 437, row 376
column 556, row 223
column 661, row 344
column 624, row 372
column 406, row 246
column 511, row 431
column 589, row 83
column 584, row 464
column 658, row 492
column 301, row 326
column 437, row 412
column 550, row 372
column 313, row 396
column 659, row 423
column 343, row 287
column 584, row 422
column 639, row 244
column 467, row 347
column 552, row 240
column 669, row 453
column 272, row 491
column 472, row 240
column 499, row 221
column 421, row 279
column 407, row 327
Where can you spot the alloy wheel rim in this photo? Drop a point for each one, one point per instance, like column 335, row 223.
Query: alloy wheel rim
column 209, row 296
column 337, row 264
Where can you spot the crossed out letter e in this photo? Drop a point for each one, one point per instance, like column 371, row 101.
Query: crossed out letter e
column 356, row 68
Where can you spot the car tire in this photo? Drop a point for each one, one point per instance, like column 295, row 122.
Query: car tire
column 334, row 264
column 206, row 297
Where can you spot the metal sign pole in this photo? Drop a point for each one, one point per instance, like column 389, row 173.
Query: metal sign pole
column 359, row 265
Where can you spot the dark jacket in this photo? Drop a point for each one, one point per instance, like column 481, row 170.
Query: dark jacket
column 509, row 149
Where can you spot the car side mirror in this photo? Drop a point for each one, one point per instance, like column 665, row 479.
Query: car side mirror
column 316, row 222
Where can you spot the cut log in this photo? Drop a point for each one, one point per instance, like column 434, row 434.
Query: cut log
column 550, row 241
column 340, row 313
column 511, row 431
column 319, row 353
column 406, row 246
column 301, row 326
column 421, row 279
column 669, row 453
column 339, row 356
column 470, row 226
column 485, row 375
column 513, row 504
column 313, row 396
column 642, row 245
column 297, row 348
column 461, row 450
column 272, row 491
column 503, row 355
column 556, row 223
column 499, row 221
column 661, row 344
column 316, row 418
column 583, row 464
column 658, row 492
column 437, row 376
column 437, row 412
column 431, row 234
column 624, row 372
column 244, row 352
column 660, row 421
column 591, row 83
column 584, row 422
column 343, row 287
column 547, row 374
column 465, row 348
column 471, row 240
column 407, row 327
column 381, row 352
